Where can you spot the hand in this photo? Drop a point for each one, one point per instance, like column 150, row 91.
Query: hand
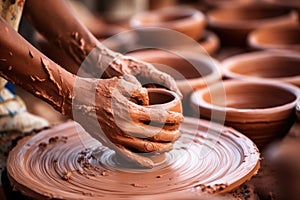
column 146, row 73
column 104, row 109
column 112, row 64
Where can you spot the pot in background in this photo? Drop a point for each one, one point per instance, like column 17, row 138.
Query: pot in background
column 186, row 20
column 286, row 37
column 227, row 3
column 261, row 110
column 282, row 66
column 232, row 24
column 209, row 42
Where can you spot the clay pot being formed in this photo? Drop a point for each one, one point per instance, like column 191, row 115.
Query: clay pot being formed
column 283, row 66
column 191, row 72
column 287, row 37
column 232, row 24
column 262, row 110
column 167, row 100
column 186, row 20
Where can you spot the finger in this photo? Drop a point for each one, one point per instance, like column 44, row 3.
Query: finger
column 142, row 131
column 141, row 145
column 134, row 158
column 154, row 115
column 147, row 71
column 158, row 136
column 130, row 78
column 133, row 91
column 166, row 80
column 170, row 136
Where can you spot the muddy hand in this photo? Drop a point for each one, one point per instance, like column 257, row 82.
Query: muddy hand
column 146, row 73
column 112, row 64
column 104, row 108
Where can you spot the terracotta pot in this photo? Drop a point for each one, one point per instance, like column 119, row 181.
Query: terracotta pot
column 280, row 66
column 186, row 20
column 290, row 3
column 234, row 23
column 286, row 37
column 261, row 110
column 210, row 42
column 227, row 3
column 191, row 72
column 165, row 99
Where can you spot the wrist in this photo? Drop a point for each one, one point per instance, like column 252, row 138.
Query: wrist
column 99, row 61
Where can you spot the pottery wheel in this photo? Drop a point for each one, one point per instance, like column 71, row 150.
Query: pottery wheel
column 55, row 164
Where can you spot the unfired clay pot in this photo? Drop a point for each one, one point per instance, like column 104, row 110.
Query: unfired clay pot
column 261, row 110
column 165, row 99
column 286, row 37
column 234, row 23
column 283, row 66
column 186, row 20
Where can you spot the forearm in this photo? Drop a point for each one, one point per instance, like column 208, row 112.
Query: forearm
column 56, row 22
column 24, row 65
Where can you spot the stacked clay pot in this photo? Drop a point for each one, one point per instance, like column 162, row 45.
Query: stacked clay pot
column 152, row 28
column 234, row 23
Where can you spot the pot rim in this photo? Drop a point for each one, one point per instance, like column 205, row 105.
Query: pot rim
column 194, row 14
column 229, row 63
column 253, row 38
column 250, row 115
column 214, row 21
column 167, row 105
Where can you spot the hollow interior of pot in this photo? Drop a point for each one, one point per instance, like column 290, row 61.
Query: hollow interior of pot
column 278, row 36
column 268, row 67
column 251, row 96
column 253, row 12
column 180, row 68
column 159, row 97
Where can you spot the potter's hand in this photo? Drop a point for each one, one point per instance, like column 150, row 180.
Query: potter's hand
column 112, row 64
column 146, row 73
column 104, row 109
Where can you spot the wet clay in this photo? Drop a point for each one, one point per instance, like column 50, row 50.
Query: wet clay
column 55, row 164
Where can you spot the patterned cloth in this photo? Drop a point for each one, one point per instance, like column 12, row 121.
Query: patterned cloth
column 13, row 114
